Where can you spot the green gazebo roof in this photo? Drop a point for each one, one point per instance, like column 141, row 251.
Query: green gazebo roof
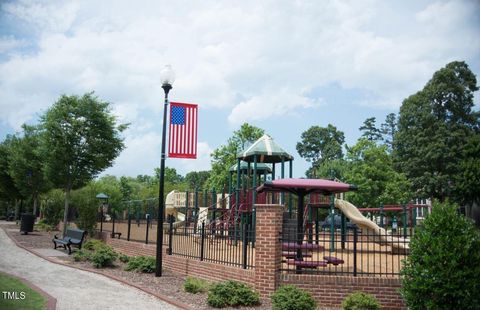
column 261, row 167
column 267, row 151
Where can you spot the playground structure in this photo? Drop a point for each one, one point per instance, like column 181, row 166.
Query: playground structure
column 221, row 227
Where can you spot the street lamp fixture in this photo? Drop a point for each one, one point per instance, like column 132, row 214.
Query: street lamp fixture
column 167, row 77
column 104, row 198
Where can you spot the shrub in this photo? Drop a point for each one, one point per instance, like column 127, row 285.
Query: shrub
column 103, row 257
column 42, row 226
column 53, row 206
column 195, row 285
column 443, row 267
column 82, row 255
column 232, row 293
column 145, row 264
column 290, row 297
column 360, row 301
column 124, row 258
column 93, row 245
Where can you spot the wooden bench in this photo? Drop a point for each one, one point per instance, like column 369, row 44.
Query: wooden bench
column 333, row 260
column 293, row 254
column 118, row 234
column 72, row 237
column 306, row 264
column 292, row 246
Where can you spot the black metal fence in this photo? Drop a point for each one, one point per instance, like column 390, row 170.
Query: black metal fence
column 227, row 246
column 354, row 252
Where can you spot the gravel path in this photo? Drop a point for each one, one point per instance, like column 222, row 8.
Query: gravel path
column 73, row 289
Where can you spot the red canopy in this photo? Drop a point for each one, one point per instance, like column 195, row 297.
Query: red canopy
column 307, row 186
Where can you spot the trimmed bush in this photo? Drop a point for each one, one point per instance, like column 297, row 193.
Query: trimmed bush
column 360, row 301
column 195, row 285
column 43, row 226
column 124, row 258
column 93, row 245
column 443, row 268
column 290, row 297
column 232, row 293
column 82, row 255
column 145, row 264
column 103, row 257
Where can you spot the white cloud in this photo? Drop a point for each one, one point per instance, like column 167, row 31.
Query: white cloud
column 271, row 103
column 251, row 60
column 201, row 163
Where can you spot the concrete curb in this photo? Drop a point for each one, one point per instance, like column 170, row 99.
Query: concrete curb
column 144, row 289
column 51, row 301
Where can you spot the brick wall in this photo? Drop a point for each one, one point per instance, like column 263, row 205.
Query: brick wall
column 181, row 265
column 267, row 248
column 329, row 291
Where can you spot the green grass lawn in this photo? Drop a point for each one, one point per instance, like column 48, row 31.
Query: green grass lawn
column 32, row 299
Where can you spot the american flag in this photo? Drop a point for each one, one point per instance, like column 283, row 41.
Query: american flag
column 182, row 140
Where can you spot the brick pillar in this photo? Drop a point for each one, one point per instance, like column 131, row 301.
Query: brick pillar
column 267, row 248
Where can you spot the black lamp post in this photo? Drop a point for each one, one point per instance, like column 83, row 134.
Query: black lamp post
column 104, row 198
column 168, row 77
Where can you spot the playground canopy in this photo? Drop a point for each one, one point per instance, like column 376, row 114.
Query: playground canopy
column 261, row 167
column 266, row 150
column 306, row 186
column 303, row 187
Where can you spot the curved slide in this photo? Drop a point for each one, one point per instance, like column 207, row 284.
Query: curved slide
column 398, row 245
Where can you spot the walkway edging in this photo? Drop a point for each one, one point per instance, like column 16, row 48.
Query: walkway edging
column 145, row 290
column 51, row 301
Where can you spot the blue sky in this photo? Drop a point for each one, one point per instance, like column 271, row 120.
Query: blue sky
column 281, row 65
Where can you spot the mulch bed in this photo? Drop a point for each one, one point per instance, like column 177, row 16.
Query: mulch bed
column 169, row 285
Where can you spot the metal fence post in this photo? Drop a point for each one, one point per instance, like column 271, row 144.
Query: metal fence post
column 404, row 206
column 146, row 234
column 355, row 240
column 244, row 246
column 129, row 225
column 187, row 219
column 381, row 216
column 170, row 234
column 195, row 224
column 202, row 241
column 113, row 224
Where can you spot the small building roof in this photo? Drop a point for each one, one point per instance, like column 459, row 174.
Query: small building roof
column 261, row 167
column 306, row 186
column 267, row 151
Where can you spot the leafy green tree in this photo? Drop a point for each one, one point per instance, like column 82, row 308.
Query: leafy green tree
column 332, row 169
column 388, row 130
column 225, row 156
column 126, row 188
column 443, row 267
column 434, row 128
column 371, row 169
column 52, row 204
column 196, row 179
column 321, row 144
column 467, row 181
column 81, row 139
column 171, row 175
column 87, row 206
column 8, row 189
column 370, row 130
column 26, row 164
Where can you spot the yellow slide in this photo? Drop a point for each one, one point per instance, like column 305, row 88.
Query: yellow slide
column 380, row 234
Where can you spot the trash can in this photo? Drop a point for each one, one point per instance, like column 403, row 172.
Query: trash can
column 26, row 224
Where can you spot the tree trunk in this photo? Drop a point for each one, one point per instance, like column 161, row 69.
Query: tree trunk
column 35, row 205
column 65, row 212
column 17, row 209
